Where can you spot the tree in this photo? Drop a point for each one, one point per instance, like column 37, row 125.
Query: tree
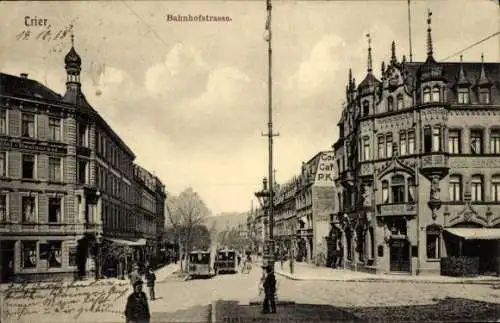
column 186, row 212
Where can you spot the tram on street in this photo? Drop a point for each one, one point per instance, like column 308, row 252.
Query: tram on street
column 226, row 262
column 201, row 264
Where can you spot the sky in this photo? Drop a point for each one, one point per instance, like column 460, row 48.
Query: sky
column 190, row 99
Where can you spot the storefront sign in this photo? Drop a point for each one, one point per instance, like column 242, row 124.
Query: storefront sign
column 36, row 147
column 326, row 172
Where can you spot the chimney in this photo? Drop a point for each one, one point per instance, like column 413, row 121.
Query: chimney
column 24, row 75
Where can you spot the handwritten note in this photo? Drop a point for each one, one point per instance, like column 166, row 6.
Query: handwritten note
column 47, row 33
column 72, row 298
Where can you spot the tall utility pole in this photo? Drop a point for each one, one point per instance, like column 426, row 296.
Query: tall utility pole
column 270, row 134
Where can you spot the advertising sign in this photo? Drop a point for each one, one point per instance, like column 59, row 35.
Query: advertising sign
column 326, row 172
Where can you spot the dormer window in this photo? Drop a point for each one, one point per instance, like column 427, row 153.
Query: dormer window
column 366, row 108
column 427, row 95
column 463, row 95
column 400, row 103
column 484, row 96
column 436, row 93
column 390, row 104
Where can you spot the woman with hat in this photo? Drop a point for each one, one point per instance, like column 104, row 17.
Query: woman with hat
column 137, row 308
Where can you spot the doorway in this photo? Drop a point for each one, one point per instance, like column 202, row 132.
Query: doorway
column 7, row 260
column 400, row 255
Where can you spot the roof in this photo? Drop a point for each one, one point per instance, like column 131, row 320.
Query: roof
column 21, row 87
column 369, row 81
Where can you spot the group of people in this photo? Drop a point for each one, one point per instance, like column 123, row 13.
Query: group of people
column 137, row 308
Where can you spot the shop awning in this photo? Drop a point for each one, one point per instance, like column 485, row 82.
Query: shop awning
column 132, row 243
column 476, row 233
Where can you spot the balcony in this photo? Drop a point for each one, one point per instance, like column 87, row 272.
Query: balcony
column 434, row 164
column 398, row 209
column 347, row 178
column 366, row 169
column 47, row 228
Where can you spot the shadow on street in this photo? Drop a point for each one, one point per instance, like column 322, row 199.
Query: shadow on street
column 200, row 313
column 443, row 310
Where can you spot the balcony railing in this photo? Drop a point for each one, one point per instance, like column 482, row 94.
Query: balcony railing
column 434, row 160
column 48, row 227
column 398, row 209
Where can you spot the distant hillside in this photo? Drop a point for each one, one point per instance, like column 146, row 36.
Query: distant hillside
column 226, row 220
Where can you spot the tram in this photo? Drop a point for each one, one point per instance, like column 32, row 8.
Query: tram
column 201, row 264
column 226, row 262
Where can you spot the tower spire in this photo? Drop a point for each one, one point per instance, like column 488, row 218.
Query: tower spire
column 393, row 53
column 429, row 34
column 370, row 63
column 72, row 39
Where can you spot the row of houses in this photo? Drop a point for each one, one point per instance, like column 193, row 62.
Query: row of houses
column 417, row 172
column 69, row 186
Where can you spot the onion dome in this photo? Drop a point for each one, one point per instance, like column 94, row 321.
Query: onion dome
column 370, row 83
column 72, row 60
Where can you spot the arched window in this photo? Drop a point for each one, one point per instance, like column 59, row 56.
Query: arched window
column 427, row 95
column 390, row 104
column 436, row 93
column 398, row 189
column 385, row 192
column 477, row 188
column 400, row 103
column 495, row 188
column 455, row 188
column 366, row 108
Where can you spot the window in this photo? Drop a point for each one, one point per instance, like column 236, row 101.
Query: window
column 411, row 190
column 82, row 172
column 55, row 169
column 398, row 189
column 436, row 139
column 495, row 188
column 366, row 148
column 3, row 121
column 400, row 105
column 433, row 244
column 454, row 141
column 55, row 209
column 390, row 104
column 402, row 143
column 366, row 108
column 51, row 252
column 484, row 96
column 381, row 147
column 55, row 129
column 388, row 145
column 29, row 208
column 28, row 166
column 476, row 142
column 28, row 125
column 385, row 192
column 411, row 142
column 397, row 225
column 455, row 188
column 82, row 135
column 3, row 207
column 427, row 139
column 3, row 163
column 477, row 188
column 427, row 95
column 495, row 142
column 436, row 93
column 29, row 254
column 73, row 256
column 463, row 95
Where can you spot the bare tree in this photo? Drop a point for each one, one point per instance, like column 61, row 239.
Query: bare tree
column 185, row 212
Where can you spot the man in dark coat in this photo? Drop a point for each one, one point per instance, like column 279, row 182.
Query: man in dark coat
column 269, row 291
column 137, row 309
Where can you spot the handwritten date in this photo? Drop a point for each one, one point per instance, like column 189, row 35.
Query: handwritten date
column 47, row 34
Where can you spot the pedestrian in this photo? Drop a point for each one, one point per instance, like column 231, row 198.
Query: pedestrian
column 134, row 275
column 137, row 308
column 269, row 292
column 150, row 282
column 239, row 260
column 262, row 279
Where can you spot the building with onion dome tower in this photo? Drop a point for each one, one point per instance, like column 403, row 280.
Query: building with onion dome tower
column 419, row 171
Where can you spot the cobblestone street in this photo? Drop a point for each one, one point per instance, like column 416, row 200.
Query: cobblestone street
column 190, row 301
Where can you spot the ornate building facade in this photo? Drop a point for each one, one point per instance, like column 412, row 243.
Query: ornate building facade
column 66, row 180
column 419, row 177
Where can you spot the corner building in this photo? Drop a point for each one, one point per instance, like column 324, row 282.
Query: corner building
column 66, row 180
column 419, row 172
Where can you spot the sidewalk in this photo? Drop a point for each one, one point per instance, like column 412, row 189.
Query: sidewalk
column 167, row 270
column 309, row 272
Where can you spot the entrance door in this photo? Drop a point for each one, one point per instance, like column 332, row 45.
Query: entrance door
column 7, row 259
column 400, row 255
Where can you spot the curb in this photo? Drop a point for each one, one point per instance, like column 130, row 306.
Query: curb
column 385, row 280
column 212, row 313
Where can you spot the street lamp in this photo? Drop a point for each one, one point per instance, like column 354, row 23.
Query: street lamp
column 264, row 198
column 98, row 240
